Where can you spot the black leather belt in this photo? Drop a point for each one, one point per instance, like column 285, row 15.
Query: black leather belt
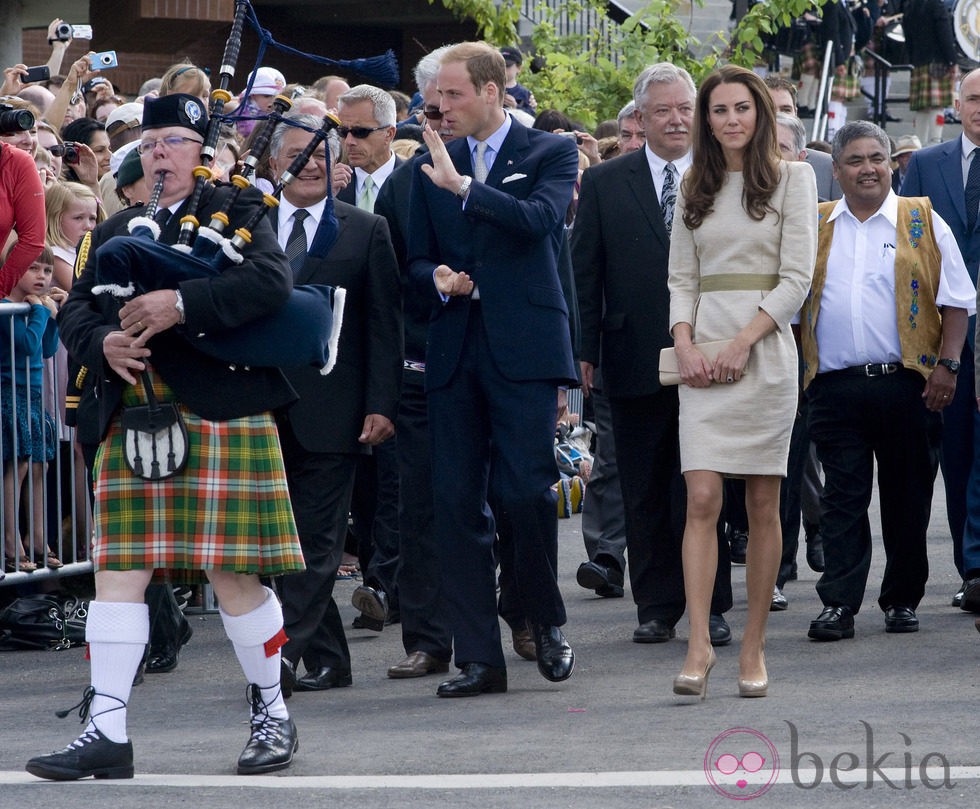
column 872, row 369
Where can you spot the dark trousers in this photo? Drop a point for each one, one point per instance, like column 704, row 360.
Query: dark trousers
column 480, row 408
column 423, row 621
column 971, row 536
column 320, row 486
column 374, row 514
column 854, row 421
column 958, row 456
column 603, row 517
column 655, row 502
column 791, row 496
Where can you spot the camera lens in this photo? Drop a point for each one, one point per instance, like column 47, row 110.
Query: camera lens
column 106, row 59
column 15, row 121
column 63, row 32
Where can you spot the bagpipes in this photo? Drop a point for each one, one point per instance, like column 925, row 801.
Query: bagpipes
column 306, row 330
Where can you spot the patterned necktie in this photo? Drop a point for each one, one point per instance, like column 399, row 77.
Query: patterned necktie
column 366, row 199
column 480, row 170
column 668, row 196
column 162, row 217
column 973, row 191
column 296, row 244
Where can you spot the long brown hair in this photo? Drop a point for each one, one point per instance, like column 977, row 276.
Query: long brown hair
column 760, row 163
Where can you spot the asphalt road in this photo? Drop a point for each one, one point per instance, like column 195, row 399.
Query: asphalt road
column 849, row 723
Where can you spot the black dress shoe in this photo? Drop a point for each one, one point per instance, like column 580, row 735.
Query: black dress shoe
column 160, row 662
column 719, row 631
column 322, row 679
column 653, row 631
column 272, row 741
column 91, row 754
column 362, row 621
column 370, row 601
column 833, row 623
column 971, row 595
column 779, row 602
column 287, row 677
column 523, row 643
column 555, row 657
column 605, row 580
column 738, row 546
column 901, row 619
column 473, row 680
column 958, row 596
column 814, row 552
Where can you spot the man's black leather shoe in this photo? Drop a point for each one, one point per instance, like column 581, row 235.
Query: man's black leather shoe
column 371, row 602
column 91, row 754
column 834, row 623
column 719, row 631
column 653, row 631
column 362, row 621
column 958, row 596
column 287, row 677
column 272, row 742
column 160, row 662
column 605, row 580
column 738, row 546
column 971, row 595
column 323, row 679
column 555, row 657
column 473, row 680
column 901, row 619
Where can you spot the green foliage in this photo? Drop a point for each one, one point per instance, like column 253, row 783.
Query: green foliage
column 590, row 77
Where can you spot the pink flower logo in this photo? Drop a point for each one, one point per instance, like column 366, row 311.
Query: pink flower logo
column 741, row 763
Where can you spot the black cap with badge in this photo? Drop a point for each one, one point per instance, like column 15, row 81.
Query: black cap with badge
column 179, row 109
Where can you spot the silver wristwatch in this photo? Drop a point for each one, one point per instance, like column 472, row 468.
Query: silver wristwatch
column 464, row 189
column 179, row 306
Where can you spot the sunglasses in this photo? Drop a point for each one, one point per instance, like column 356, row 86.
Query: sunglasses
column 432, row 115
column 359, row 132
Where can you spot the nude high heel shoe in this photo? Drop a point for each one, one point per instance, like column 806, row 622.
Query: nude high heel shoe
column 695, row 685
column 754, row 688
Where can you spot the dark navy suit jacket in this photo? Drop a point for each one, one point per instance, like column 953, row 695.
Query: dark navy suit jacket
column 507, row 239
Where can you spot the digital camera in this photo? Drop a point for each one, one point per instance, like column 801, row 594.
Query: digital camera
column 103, row 60
column 68, row 150
column 12, row 120
column 65, row 32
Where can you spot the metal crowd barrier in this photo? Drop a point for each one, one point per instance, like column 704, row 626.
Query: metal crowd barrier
column 66, row 525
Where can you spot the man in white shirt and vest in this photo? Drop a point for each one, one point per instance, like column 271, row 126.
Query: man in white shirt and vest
column 882, row 333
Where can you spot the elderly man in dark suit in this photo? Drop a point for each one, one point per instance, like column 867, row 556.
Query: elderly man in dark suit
column 949, row 174
column 620, row 245
column 339, row 416
column 485, row 228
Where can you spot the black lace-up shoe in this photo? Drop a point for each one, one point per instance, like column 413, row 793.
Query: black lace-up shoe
column 272, row 742
column 91, row 754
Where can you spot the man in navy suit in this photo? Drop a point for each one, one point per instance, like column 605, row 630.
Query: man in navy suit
column 949, row 174
column 486, row 219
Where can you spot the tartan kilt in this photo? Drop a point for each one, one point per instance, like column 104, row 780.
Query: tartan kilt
column 227, row 510
column 928, row 92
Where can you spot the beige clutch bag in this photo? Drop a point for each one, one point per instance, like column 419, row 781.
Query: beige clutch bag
column 670, row 375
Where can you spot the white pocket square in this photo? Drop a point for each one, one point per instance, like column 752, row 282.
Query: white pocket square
column 512, row 177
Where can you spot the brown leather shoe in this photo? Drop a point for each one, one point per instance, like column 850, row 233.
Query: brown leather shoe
column 418, row 664
column 524, row 643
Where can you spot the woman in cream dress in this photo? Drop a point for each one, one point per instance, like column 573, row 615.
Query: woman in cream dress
column 740, row 266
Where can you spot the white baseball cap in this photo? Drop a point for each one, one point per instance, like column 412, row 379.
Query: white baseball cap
column 129, row 115
column 268, row 82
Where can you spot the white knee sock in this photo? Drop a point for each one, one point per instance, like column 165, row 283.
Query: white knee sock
column 254, row 636
column 117, row 634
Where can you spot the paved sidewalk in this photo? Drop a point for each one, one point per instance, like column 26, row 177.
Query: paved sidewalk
column 612, row 736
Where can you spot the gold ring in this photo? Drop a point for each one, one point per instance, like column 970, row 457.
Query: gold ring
column 140, row 324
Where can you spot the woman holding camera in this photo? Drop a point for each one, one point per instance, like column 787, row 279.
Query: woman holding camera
column 21, row 203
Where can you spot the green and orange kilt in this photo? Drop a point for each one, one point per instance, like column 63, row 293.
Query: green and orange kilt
column 930, row 88
column 227, row 510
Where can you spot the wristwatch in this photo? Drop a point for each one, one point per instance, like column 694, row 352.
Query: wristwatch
column 953, row 366
column 464, row 188
column 179, row 306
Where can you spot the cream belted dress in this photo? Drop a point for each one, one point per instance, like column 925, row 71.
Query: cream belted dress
column 720, row 275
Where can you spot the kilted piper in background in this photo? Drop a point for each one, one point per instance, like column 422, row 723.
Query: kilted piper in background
column 227, row 513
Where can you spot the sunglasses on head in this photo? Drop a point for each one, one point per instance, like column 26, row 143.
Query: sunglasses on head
column 359, row 132
column 432, row 115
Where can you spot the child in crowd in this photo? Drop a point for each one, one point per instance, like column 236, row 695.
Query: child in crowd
column 34, row 338
column 72, row 210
